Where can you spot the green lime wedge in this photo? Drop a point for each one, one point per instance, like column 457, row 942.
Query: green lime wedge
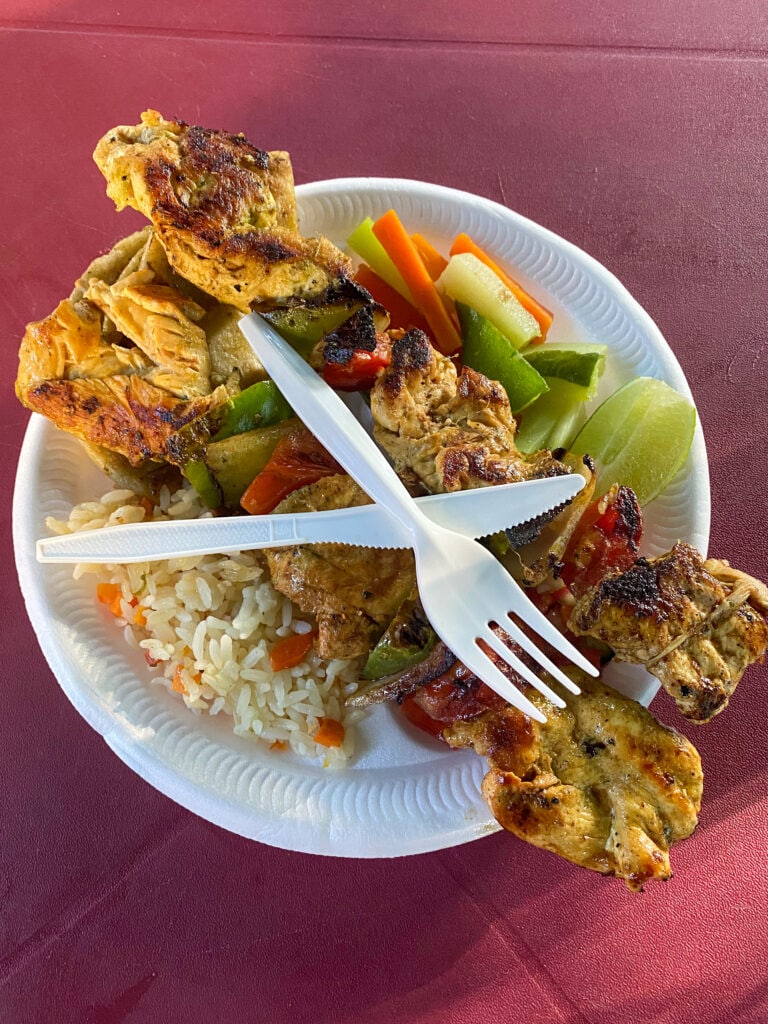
column 579, row 364
column 490, row 352
column 553, row 420
column 639, row 437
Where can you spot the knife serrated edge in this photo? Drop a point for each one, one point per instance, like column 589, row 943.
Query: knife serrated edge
column 362, row 526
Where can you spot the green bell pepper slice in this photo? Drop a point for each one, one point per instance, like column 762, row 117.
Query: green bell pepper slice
column 260, row 405
column 407, row 641
column 198, row 474
column 303, row 326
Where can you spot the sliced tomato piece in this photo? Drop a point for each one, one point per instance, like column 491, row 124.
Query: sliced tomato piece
column 417, row 716
column 359, row 373
column 457, row 695
column 605, row 540
column 298, row 459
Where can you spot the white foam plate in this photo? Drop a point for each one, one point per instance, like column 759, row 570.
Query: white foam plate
column 404, row 793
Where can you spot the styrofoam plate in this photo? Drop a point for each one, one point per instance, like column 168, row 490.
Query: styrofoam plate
column 404, row 793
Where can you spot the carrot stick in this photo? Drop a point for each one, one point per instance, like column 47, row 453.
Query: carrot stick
column 290, row 651
column 330, row 733
column 401, row 250
column 434, row 261
column 463, row 243
column 401, row 312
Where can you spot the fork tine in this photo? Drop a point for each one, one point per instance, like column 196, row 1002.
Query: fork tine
column 477, row 661
column 528, row 645
column 540, row 624
column 511, row 659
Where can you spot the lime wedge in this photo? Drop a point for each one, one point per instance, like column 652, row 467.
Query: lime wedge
column 639, row 437
column 579, row 364
column 490, row 352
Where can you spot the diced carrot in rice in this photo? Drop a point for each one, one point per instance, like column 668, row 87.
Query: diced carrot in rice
column 178, row 681
column 229, row 643
column 290, row 651
column 110, row 595
column 330, row 733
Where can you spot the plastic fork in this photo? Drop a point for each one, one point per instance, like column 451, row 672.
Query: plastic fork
column 463, row 588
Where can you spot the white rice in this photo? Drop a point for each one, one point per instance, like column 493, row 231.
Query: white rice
column 209, row 625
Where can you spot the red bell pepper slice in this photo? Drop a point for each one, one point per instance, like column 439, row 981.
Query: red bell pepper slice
column 298, row 459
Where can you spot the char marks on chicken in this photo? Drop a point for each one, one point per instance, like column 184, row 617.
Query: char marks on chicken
column 353, row 592
column 602, row 783
column 224, row 210
column 695, row 624
column 123, row 363
column 449, row 431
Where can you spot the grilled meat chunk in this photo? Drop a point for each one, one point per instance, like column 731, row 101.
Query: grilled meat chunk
column 402, row 684
column 602, row 784
column 224, row 210
column 74, row 341
column 162, row 323
column 126, row 414
column 69, row 344
column 695, row 624
column 353, row 592
column 123, row 363
column 450, row 431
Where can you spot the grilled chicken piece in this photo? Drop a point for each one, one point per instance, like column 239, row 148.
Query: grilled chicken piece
column 224, row 211
column 353, row 592
column 696, row 625
column 127, row 414
column 449, row 431
column 602, row 784
column 69, row 343
column 162, row 323
column 92, row 365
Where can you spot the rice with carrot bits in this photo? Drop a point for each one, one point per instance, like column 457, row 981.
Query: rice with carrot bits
column 216, row 632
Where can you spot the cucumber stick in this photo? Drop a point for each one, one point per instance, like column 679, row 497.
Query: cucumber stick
column 580, row 364
column 491, row 353
column 554, row 419
column 468, row 281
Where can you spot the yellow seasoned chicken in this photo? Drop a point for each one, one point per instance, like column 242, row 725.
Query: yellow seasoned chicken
column 696, row 625
column 354, row 592
column 449, row 431
column 224, row 210
column 602, row 784
column 163, row 324
column 123, row 363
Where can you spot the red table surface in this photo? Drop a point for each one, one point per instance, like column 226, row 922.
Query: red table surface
column 637, row 132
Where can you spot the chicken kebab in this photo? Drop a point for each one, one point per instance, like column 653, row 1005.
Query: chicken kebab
column 145, row 364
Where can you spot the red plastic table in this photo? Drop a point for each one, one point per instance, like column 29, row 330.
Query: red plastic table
column 639, row 133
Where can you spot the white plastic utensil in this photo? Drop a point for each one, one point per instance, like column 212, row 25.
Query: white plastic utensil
column 463, row 588
column 473, row 513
